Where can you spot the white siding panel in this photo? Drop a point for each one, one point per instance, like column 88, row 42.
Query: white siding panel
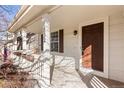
column 116, row 65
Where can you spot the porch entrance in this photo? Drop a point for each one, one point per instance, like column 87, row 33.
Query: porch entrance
column 92, row 46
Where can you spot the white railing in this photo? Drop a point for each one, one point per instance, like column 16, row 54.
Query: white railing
column 36, row 68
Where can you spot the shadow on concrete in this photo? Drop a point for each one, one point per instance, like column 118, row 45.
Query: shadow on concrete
column 93, row 81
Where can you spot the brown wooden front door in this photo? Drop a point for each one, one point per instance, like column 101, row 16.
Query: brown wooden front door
column 92, row 46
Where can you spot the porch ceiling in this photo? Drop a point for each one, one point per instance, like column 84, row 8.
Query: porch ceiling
column 65, row 16
column 29, row 14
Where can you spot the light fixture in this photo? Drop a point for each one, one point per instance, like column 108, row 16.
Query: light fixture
column 75, row 32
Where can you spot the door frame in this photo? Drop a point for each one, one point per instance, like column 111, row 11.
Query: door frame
column 105, row 47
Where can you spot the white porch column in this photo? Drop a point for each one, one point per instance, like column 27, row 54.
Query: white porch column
column 14, row 42
column 24, row 39
column 46, row 48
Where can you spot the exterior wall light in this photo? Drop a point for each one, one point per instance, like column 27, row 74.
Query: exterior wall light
column 75, row 32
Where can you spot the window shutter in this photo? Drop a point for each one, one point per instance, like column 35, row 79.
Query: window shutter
column 42, row 42
column 61, row 41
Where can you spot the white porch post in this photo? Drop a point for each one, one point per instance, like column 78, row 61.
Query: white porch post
column 24, row 39
column 46, row 48
column 14, row 42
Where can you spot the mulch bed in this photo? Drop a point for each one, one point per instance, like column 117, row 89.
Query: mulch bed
column 17, row 81
column 10, row 77
column 27, row 57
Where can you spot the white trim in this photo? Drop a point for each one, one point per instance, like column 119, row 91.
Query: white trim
column 106, row 43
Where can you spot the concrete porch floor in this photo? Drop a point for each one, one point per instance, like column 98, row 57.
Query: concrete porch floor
column 93, row 81
column 67, row 77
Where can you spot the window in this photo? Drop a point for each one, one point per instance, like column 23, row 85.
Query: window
column 54, row 41
column 19, row 43
column 57, row 43
column 29, row 37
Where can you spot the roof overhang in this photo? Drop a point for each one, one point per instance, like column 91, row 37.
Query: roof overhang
column 27, row 15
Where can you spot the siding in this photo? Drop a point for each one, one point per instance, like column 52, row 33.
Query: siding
column 116, row 65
